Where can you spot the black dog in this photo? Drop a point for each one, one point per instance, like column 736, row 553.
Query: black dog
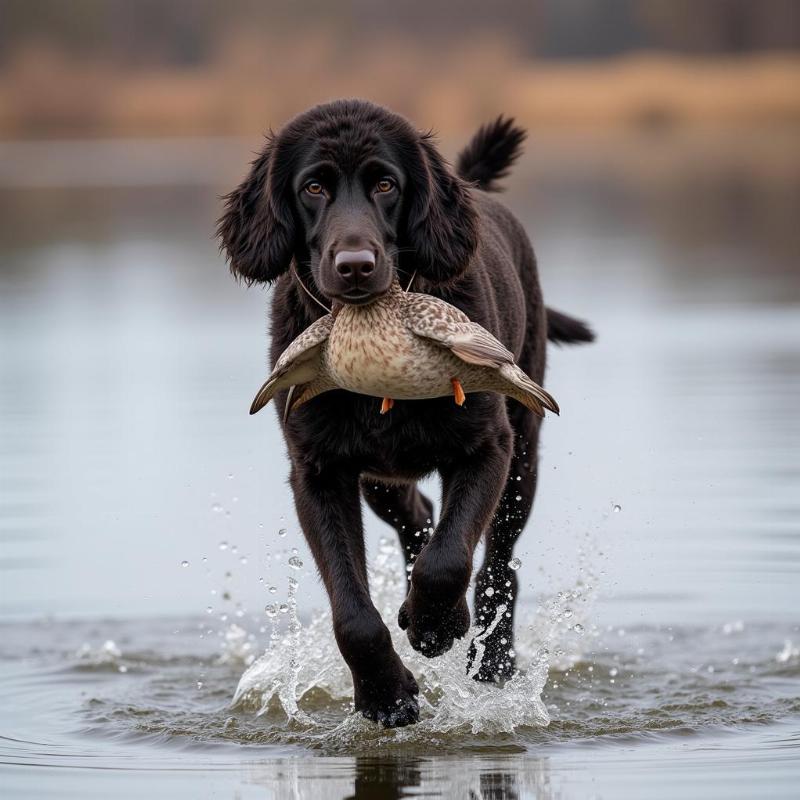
column 344, row 197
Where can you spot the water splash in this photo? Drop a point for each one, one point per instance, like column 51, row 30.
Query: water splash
column 302, row 678
column 788, row 653
column 107, row 656
column 107, row 653
column 237, row 646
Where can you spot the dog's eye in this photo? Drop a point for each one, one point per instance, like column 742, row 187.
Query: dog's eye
column 314, row 187
column 384, row 185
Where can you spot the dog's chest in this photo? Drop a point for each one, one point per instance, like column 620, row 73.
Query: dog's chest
column 371, row 351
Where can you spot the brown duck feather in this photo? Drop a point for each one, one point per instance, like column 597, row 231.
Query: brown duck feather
column 404, row 345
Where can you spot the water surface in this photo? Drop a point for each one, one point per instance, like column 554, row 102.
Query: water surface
column 129, row 359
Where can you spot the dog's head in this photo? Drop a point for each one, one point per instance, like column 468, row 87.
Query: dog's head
column 354, row 195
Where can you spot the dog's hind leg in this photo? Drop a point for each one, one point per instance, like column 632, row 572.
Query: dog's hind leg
column 404, row 508
column 496, row 582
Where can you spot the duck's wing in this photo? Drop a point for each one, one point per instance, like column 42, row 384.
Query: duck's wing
column 448, row 326
column 298, row 363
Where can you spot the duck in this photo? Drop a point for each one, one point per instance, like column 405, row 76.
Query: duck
column 404, row 345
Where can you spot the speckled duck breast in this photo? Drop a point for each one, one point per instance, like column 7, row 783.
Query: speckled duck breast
column 373, row 350
column 402, row 346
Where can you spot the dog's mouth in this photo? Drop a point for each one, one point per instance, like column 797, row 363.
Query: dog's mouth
column 357, row 297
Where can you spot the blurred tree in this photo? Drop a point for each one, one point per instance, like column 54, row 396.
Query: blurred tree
column 722, row 26
column 189, row 32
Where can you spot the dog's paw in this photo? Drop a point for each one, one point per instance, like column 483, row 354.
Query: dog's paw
column 432, row 632
column 391, row 701
column 497, row 664
column 435, row 612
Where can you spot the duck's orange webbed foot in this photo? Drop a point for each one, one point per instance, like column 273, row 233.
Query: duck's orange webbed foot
column 458, row 391
column 387, row 405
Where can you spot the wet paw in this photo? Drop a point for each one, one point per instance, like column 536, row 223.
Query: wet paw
column 493, row 670
column 390, row 701
column 435, row 612
column 433, row 633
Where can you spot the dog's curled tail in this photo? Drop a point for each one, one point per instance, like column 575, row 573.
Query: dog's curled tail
column 490, row 153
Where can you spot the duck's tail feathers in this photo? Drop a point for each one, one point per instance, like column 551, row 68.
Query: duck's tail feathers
column 529, row 393
column 563, row 329
column 490, row 153
column 306, row 392
column 265, row 394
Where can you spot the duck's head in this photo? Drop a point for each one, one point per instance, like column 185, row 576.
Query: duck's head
column 357, row 198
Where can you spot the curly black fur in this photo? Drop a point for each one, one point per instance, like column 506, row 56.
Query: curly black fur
column 463, row 246
column 491, row 153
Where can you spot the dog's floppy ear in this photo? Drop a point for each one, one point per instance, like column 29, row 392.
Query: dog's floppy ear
column 257, row 230
column 441, row 223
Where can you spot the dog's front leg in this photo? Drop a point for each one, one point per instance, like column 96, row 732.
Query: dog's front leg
column 435, row 613
column 329, row 508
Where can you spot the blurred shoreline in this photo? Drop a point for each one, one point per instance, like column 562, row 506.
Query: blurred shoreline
column 635, row 155
column 47, row 95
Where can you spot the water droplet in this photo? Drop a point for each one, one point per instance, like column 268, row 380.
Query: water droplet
column 578, row 628
column 223, row 545
column 293, row 583
column 567, row 613
column 295, row 563
column 282, row 532
column 616, row 508
column 209, row 610
column 184, row 563
column 199, row 684
column 243, row 560
column 216, row 508
column 283, row 608
column 230, row 476
column 613, row 672
column 518, row 498
column 515, row 563
column 122, row 668
column 489, row 591
column 271, row 610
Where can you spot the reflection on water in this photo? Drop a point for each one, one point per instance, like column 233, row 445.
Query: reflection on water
column 128, row 360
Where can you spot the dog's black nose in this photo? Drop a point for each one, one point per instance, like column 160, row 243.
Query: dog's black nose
column 354, row 265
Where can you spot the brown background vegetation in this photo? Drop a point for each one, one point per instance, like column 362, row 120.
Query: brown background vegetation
column 188, row 67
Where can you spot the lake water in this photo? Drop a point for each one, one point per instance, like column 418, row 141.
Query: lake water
column 150, row 638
